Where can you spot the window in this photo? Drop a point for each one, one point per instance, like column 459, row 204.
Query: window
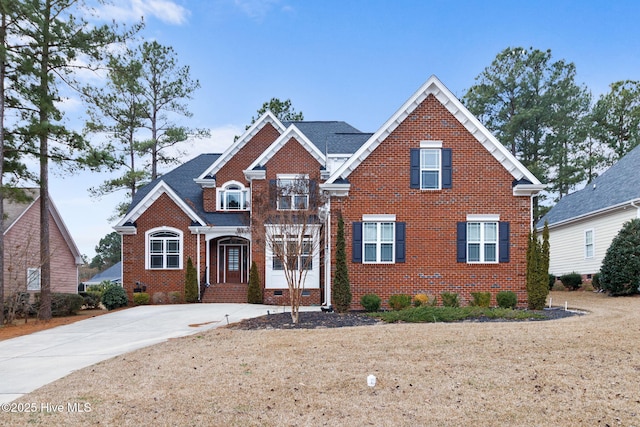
column 483, row 239
column 482, row 242
column 588, row 244
column 378, row 239
column 164, row 250
column 233, row 197
column 295, row 256
column 431, row 166
column 33, row 279
column 293, row 193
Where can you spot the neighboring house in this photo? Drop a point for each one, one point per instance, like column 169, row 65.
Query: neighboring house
column 432, row 202
column 112, row 274
column 22, row 248
column 583, row 224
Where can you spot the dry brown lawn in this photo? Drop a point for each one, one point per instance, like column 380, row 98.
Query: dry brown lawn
column 579, row 371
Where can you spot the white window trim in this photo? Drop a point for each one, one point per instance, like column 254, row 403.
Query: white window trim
column 482, row 241
column 378, row 242
column 292, row 177
column 593, row 243
column 147, row 249
column 220, row 201
column 483, row 218
column 439, row 149
column 275, row 279
column 430, row 144
column 32, row 271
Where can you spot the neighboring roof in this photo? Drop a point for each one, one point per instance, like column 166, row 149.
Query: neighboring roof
column 332, row 137
column 14, row 210
column 617, row 186
column 434, row 87
column 113, row 274
column 179, row 184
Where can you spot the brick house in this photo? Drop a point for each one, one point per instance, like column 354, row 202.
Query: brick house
column 431, row 202
column 22, row 248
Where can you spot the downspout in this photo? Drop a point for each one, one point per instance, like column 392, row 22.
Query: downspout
column 633, row 204
column 198, row 260
column 327, row 261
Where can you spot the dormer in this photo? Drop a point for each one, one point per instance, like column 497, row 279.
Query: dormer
column 232, row 196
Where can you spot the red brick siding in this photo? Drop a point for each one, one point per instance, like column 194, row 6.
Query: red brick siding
column 481, row 185
column 22, row 251
column 164, row 212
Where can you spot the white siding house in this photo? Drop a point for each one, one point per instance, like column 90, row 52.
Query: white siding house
column 583, row 224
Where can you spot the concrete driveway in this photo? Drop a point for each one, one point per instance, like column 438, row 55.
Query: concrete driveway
column 31, row 361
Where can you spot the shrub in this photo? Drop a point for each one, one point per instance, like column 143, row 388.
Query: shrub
column 371, row 302
column 571, row 281
column 65, row 304
column 341, row 286
column 507, row 299
column 420, row 299
column 91, row 299
column 552, row 281
column 191, row 283
column 159, row 298
column 175, row 297
column 450, row 299
column 141, row 298
column 399, row 301
column 595, row 281
column 254, row 293
column 481, row 299
column 620, row 271
column 114, row 296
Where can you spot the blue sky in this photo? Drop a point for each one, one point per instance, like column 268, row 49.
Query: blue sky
column 356, row 61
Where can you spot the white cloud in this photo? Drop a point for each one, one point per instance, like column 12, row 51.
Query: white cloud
column 221, row 138
column 130, row 10
column 257, row 9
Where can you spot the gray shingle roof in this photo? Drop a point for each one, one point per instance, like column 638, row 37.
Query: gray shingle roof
column 332, row 137
column 618, row 185
column 112, row 274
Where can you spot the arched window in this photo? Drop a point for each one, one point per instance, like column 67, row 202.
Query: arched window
column 233, row 196
column 164, row 249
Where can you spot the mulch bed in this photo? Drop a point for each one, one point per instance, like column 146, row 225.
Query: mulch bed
column 322, row 320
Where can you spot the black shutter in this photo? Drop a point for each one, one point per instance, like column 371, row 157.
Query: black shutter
column 462, row 242
column 415, row 168
column 400, row 242
column 503, row 233
column 314, row 195
column 273, row 193
column 447, row 170
column 356, row 242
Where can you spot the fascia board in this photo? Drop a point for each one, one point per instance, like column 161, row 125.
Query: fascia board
column 433, row 86
column 267, row 117
column 291, row 132
column 151, row 197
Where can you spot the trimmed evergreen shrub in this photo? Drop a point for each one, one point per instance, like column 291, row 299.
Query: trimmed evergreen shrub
column 450, row 299
column 595, row 281
column 620, row 271
column 481, row 299
column 371, row 302
column 507, row 299
column 254, row 294
column 420, row 300
column 141, row 298
column 65, row 304
column 399, row 301
column 571, row 281
column 175, row 297
column 341, row 287
column 552, row 281
column 91, row 299
column 114, row 296
column 191, row 283
column 537, row 274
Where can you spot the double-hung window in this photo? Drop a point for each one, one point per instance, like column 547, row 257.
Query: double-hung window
column 33, row 279
column 293, row 192
column 379, row 241
column 431, row 166
column 482, row 242
column 233, row 197
column 588, row 244
column 164, row 249
column 291, row 251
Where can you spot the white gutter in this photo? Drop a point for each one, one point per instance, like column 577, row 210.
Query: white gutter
column 633, row 203
column 198, row 259
column 327, row 262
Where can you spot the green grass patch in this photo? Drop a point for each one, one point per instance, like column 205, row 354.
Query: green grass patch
column 426, row 314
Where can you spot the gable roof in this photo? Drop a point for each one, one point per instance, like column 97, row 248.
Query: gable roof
column 617, row 186
column 434, row 87
column 14, row 210
column 112, row 274
column 185, row 192
column 332, row 137
column 266, row 118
